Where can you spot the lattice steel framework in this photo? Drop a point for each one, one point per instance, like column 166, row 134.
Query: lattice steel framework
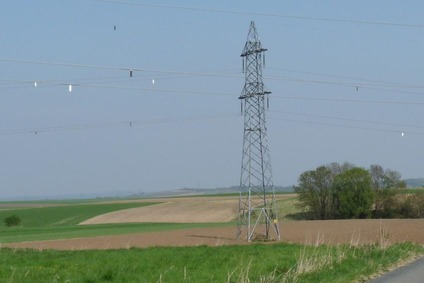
column 257, row 213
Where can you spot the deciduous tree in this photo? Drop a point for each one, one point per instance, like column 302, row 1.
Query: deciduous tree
column 385, row 184
column 315, row 192
column 353, row 194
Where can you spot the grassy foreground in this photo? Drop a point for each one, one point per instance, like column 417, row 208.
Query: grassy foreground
column 251, row 263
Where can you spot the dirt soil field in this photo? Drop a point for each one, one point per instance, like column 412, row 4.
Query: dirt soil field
column 303, row 232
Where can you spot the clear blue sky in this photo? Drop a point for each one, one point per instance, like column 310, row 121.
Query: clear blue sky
column 306, row 59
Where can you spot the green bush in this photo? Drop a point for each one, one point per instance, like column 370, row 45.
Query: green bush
column 398, row 203
column 12, row 221
column 387, row 203
column 353, row 194
column 418, row 201
column 411, row 206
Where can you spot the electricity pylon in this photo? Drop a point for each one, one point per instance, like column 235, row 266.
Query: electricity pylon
column 257, row 217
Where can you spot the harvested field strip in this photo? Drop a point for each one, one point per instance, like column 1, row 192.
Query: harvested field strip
column 173, row 211
column 249, row 263
column 195, row 209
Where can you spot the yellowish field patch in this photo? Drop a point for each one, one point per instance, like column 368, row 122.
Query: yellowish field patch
column 177, row 210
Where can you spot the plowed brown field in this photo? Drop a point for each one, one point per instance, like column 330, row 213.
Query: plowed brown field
column 222, row 209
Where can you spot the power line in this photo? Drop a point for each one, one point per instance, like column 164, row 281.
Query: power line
column 348, row 119
column 347, row 84
column 346, row 126
column 357, row 85
column 354, row 81
column 41, row 83
column 363, row 83
column 135, row 123
column 67, row 84
column 330, row 75
column 131, row 70
column 363, row 22
column 132, row 123
column 368, row 83
column 347, row 100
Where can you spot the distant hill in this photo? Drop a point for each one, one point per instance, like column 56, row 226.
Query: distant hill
column 415, row 183
column 102, row 195
column 215, row 191
column 127, row 194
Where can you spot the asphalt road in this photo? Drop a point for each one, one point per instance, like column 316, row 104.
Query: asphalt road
column 411, row 273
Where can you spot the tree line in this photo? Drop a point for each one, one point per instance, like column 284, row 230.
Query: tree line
column 345, row 191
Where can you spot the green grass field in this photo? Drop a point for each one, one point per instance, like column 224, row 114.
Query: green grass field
column 63, row 215
column 16, row 235
column 253, row 263
column 61, row 222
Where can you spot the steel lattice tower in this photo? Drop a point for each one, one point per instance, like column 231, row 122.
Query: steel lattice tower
column 257, row 214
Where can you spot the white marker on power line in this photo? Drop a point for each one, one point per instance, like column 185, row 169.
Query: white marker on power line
column 403, row 134
column 153, row 81
column 70, row 88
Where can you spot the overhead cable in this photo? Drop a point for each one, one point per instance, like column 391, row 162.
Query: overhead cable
column 348, row 100
column 131, row 70
column 348, row 119
column 362, row 22
column 347, row 126
column 355, row 84
column 131, row 123
column 181, row 91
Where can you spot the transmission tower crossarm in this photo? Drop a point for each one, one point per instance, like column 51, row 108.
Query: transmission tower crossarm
column 250, row 52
